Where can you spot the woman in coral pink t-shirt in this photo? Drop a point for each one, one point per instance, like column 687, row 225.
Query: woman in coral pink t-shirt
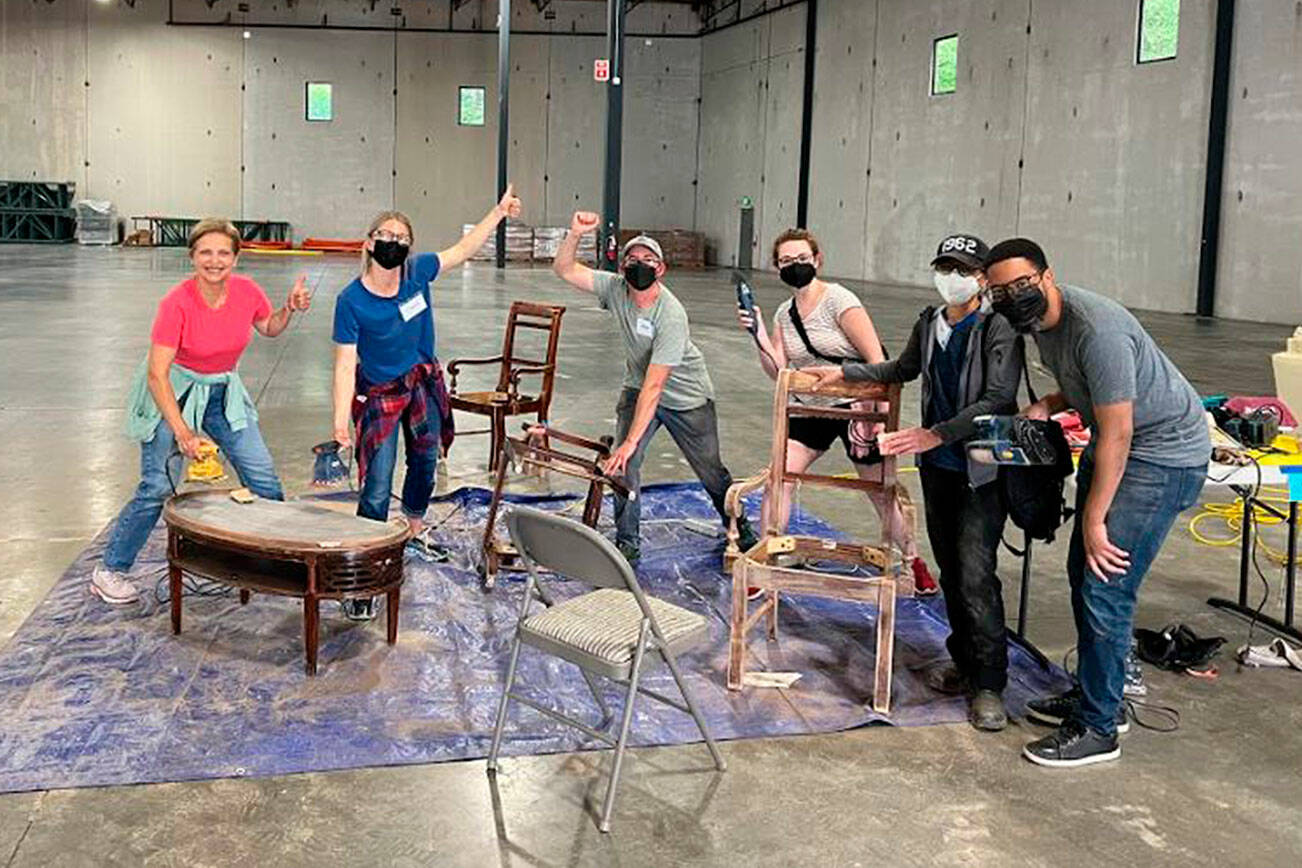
column 190, row 383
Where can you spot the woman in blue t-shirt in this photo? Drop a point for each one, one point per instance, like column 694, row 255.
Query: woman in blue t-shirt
column 387, row 378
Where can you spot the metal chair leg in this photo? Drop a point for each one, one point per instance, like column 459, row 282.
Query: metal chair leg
column 501, row 708
column 672, row 663
column 596, row 694
column 633, row 675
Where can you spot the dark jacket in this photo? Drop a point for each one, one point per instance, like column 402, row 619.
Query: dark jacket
column 988, row 380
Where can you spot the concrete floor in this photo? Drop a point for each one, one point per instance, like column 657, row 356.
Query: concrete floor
column 1224, row 790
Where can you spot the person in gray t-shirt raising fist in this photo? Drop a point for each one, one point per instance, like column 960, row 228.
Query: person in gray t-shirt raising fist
column 1146, row 463
column 665, row 379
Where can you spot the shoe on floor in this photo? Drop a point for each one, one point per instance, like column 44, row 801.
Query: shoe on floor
column 362, row 609
column 945, row 678
column 1055, row 710
column 427, row 550
column 112, row 586
column 987, row 711
column 1072, row 744
column 631, row 553
column 923, row 583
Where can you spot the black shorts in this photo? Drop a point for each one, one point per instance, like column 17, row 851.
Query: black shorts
column 819, row 435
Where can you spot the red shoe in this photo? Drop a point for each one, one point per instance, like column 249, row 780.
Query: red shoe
column 923, row 584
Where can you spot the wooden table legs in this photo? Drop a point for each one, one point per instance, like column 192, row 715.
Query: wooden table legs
column 311, row 630
column 174, row 591
column 391, row 615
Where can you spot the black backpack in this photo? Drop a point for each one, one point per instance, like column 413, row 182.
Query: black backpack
column 1032, row 494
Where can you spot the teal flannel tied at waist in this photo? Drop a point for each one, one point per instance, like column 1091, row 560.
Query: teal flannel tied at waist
column 192, row 391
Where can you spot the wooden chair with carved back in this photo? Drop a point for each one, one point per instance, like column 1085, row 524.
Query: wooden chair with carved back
column 506, row 399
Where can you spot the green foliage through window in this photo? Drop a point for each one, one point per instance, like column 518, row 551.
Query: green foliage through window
column 320, row 101
column 1159, row 29
column 471, row 110
column 944, row 65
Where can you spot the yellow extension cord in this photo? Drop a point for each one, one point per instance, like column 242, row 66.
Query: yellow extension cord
column 1232, row 516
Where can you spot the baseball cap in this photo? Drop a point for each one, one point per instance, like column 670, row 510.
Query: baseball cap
column 967, row 249
column 642, row 241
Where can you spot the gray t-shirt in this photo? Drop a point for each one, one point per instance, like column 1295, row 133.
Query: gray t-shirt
column 657, row 335
column 1100, row 354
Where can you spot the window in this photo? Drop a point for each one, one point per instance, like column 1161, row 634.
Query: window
column 944, row 65
column 320, row 101
column 1159, row 29
column 470, row 111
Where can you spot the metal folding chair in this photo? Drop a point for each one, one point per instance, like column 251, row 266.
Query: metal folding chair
column 606, row 632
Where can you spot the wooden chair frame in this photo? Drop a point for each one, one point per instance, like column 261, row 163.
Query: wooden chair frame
column 534, row 450
column 759, row 568
column 506, row 399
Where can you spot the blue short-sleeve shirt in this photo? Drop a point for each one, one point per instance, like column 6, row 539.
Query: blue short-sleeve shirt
column 392, row 335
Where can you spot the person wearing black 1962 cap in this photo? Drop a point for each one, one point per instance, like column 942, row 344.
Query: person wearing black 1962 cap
column 970, row 362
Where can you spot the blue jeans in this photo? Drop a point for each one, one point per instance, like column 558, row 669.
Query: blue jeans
column 417, row 486
column 1145, row 507
column 245, row 451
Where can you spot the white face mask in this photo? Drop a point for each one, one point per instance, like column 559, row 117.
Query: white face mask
column 955, row 288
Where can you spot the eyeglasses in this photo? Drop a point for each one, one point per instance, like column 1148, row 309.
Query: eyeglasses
column 802, row 259
column 385, row 235
column 1015, row 288
column 645, row 260
column 950, row 266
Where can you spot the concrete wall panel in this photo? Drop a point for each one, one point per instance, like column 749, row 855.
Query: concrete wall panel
column 1261, row 254
column 843, row 109
column 326, row 178
column 1116, row 152
column 575, row 130
column 784, row 102
column 42, row 91
column 661, row 113
column 731, row 153
column 944, row 163
column 447, row 173
column 164, row 110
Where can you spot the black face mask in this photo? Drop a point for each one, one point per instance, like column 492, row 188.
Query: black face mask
column 389, row 254
column 639, row 275
column 797, row 275
column 1025, row 311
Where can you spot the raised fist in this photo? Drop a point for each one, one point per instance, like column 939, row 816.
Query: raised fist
column 584, row 222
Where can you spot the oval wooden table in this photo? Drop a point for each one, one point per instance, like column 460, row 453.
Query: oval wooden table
column 290, row 548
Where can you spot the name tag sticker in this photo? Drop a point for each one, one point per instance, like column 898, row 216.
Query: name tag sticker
column 646, row 328
column 412, row 306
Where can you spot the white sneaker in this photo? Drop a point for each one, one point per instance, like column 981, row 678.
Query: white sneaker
column 112, row 587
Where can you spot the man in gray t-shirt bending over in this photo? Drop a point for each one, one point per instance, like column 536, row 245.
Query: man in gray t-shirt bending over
column 1146, row 462
column 665, row 380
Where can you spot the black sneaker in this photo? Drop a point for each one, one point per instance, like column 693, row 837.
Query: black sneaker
column 1072, row 744
column 631, row 553
column 1055, row 710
